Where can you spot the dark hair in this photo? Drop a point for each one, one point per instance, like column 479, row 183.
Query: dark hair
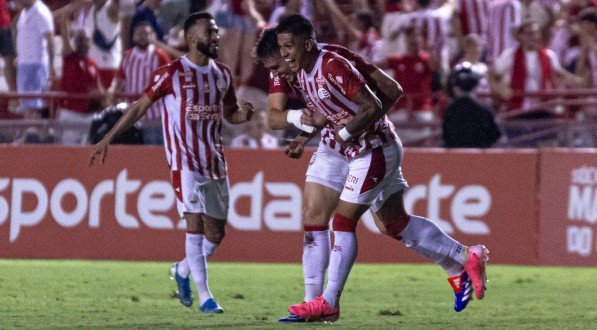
column 193, row 18
column 465, row 78
column 142, row 23
column 266, row 45
column 366, row 18
column 424, row 3
column 588, row 16
column 297, row 25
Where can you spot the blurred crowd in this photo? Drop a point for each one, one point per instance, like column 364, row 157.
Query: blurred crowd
column 461, row 63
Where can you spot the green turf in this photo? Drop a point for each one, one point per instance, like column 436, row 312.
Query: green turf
column 84, row 294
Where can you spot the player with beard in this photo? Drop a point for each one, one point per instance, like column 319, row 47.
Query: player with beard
column 197, row 91
column 334, row 89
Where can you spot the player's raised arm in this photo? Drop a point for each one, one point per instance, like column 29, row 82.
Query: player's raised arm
column 389, row 90
column 132, row 114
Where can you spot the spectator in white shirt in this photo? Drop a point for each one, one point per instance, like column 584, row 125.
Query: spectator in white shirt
column 35, row 54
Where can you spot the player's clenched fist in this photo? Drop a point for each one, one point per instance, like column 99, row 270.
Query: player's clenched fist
column 294, row 149
column 247, row 110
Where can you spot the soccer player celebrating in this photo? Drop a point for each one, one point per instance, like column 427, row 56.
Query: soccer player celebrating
column 331, row 86
column 329, row 166
column 198, row 91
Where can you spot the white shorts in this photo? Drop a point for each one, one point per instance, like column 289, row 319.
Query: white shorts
column 198, row 194
column 374, row 176
column 328, row 168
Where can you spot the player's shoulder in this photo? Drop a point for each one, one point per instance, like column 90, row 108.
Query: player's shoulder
column 222, row 66
column 169, row 68
column 333, row 63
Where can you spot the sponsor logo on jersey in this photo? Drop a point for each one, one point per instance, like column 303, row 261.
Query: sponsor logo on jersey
column 159, row 81
column 193, row 198
column 338, row 82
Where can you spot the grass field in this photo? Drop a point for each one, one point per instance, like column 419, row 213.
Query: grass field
column 84, row 294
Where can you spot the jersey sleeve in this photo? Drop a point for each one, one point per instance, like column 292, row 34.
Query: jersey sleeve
column 230, row 96
column 161, row 83
column 343, row 76
column 277, row 84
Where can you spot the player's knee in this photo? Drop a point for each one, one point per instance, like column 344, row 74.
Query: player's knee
column 216, row 237
column 395, row 225
column 342, row 223
column 315, row 216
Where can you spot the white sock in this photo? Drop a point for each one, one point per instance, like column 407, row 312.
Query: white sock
column 316, row 256
column 342, row 258
column 198, row 265
column 183, row 268
column 426, row 238
column 208, row 247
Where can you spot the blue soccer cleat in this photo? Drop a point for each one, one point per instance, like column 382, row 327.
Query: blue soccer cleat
column 291, row 318
column 463, row 290
column 185, row 295
column 210, row 306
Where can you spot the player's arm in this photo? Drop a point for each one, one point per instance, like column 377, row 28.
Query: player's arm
column 239, row 115
column 370, row 110
column 131, row 115
column 276, row 111
column 389, row 90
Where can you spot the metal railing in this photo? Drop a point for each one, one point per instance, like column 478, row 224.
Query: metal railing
column 564, row 130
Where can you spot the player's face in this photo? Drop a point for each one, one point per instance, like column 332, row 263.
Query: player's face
column 206, row 39
column 292, row 49
column 276, row 64
column 141, row 36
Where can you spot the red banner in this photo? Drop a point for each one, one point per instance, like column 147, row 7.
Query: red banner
column 568, row 194
column 53, row 206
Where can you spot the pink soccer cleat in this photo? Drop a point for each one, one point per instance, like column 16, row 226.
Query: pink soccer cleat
column 475, row 267
column 316, row 310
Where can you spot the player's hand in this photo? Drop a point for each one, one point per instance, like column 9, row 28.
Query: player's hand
column 247, row 110
column 100, row 151
column 307, row 117
column 294, row 149
column 339, row 138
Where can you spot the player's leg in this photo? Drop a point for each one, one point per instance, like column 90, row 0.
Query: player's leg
column 214, row 230
column 319, row 203
column 426, row 238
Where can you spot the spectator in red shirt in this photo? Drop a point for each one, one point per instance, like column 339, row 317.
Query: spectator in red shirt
column 79, row 76
column 414, row 71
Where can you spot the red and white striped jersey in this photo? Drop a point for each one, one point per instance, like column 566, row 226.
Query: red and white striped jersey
column 195, row 97
column 473, row 15
column 279, row 84
column 330, row 88
column 504, row 16
column 136, row 69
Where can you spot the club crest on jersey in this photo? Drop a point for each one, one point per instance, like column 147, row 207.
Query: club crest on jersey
column 323, row 94
column 222, row 85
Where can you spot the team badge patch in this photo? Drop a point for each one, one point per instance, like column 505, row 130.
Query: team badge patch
column 323, row 94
